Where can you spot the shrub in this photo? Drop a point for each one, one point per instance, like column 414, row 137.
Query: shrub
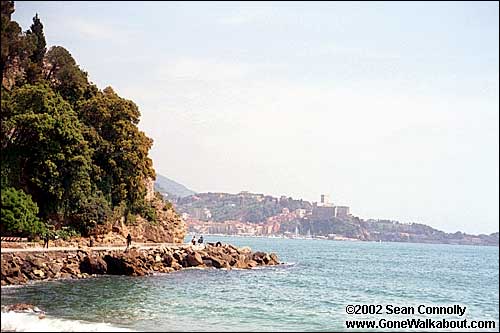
column 95, row 210
column 19, row 214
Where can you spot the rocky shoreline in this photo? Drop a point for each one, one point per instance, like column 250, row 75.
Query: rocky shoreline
column 23, row 267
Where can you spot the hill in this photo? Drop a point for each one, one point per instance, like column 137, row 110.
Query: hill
column 244, row 206
column 259, row 214
column 171, row 188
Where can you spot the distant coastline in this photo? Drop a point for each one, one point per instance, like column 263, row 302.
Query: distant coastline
column 254, row 214
column 340, row 239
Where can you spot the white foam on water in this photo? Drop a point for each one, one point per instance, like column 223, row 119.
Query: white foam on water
column 29, row 322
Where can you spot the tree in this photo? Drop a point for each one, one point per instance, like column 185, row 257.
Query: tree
column 65, row 76
column 36, row 29
column 19, row 214
column 120, row 149
column 45, row 152
column 34, row 69
column 15, row 47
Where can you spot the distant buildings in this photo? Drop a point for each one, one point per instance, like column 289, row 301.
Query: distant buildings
column 341, row 211
column 326, row 210
column 200, row 219
column 323, row 210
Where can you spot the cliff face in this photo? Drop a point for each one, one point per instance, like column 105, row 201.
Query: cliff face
column 168, row 226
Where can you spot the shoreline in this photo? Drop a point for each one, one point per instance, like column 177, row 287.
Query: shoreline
column 22, row 267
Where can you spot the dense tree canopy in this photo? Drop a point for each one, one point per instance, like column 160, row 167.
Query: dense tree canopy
column 74, row 150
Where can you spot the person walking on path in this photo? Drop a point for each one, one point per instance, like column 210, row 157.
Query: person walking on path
column 46, row 240
column 129, row 241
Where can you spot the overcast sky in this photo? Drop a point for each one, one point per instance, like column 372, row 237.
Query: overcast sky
column 389, row 108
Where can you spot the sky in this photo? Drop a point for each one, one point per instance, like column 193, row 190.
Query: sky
column 389, row 108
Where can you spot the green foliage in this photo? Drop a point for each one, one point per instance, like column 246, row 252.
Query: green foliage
column 120, row 149
column 19, row 214
column 65, row 233
column 74, row 150
column 36, row 30
column 45, row 151
column 15, row 45
column 65, row 76
column 91, row 212
column 145, row 209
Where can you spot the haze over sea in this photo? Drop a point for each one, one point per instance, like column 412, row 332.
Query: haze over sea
column 309, row 293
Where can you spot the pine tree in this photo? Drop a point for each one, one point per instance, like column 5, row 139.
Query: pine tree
column 36, row 29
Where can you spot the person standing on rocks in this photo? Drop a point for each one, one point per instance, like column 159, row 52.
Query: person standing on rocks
column 129, row 241
column 193, row 241
column 200, row 240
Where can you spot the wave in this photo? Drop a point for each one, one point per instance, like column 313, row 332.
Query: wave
column 29, row 322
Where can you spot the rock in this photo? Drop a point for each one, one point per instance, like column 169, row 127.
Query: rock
column 93, row 265
column 218, row 263
column 55, row 267
column 19, row 268
column 15, row 279
column 124, row 265
column 274, row 259
column 244, row 250
column 252, row 263
column 168, row 259
column 22, row 307
column 178, row 256
column 169, row 270
column 194, row 259
column 71, row 269
column 39, row 272
column 175, row 265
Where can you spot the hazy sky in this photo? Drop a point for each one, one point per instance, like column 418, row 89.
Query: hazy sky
column 390, row 108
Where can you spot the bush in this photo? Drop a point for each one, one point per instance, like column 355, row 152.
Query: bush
column 65, row 233
column 19, row 214
column 145, row 209
column 92, row 212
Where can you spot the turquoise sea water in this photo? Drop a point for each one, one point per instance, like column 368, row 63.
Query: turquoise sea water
column 309, row 293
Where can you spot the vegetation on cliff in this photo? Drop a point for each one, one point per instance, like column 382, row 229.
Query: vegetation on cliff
column 72, row 154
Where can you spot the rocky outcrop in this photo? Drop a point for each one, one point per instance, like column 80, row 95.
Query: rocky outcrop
column 22, row 267
column 168, row 226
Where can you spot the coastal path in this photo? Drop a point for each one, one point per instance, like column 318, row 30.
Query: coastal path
column 140, row 246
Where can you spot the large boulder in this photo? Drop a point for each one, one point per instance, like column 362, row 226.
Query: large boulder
column 274, row 259
column 194, row 259
column 124, row 264
column 168, row 259
column 93, row 265
column 217, row 263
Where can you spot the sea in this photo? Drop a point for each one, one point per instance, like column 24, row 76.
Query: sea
column 311, row 291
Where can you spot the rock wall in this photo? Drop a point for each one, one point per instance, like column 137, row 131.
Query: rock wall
column 167, row 228
column 22, row 267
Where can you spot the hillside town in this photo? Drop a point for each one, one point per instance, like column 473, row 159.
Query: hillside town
column 201, row 220
column 259, row 215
